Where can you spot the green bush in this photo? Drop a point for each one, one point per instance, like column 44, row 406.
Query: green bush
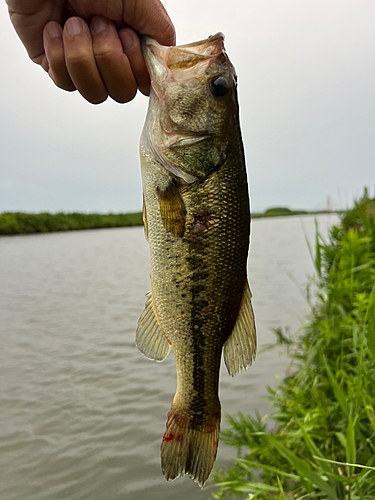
column 319, row 442
column 278, row 211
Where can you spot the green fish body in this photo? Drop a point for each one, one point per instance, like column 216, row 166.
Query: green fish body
column 197, row 222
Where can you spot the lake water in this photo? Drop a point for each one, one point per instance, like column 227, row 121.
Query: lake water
column 82, row 412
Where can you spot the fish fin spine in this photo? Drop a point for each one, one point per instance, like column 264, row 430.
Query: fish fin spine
column 240, row 348
column 188, row 449
column 149, row 337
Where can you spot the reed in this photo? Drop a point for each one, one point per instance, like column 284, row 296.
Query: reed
column 319, row 440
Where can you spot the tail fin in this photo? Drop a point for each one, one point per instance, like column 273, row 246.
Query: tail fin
column 189, row 450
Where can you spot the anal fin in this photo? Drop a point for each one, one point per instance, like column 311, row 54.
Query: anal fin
column 149, row 337
column 240, row 348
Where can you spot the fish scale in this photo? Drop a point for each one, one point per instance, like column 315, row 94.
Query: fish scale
column 197, row 221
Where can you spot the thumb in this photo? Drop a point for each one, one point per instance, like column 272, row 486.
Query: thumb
column 149, row 17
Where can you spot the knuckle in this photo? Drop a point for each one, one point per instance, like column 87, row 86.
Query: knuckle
column 104, row 52
column 78, row 58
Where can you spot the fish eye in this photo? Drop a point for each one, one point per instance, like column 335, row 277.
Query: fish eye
column 219, row 86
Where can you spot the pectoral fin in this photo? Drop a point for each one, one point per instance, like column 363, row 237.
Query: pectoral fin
column 172, row 209
column 240, row 348
column 149, row 337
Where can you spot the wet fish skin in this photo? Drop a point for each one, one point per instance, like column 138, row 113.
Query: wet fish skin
column 197, row 221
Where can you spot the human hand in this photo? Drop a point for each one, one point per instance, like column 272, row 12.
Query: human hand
column 92, row 47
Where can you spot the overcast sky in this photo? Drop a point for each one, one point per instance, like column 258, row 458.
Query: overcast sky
column 306, row 72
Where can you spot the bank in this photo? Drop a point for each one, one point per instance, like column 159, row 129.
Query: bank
column 12, row 223
column 319, row 439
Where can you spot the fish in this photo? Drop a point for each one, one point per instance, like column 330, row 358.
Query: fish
column 197, row 222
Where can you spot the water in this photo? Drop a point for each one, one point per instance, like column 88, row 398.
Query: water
column 82, row 412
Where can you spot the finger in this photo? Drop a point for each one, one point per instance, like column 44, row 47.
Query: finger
column 113, row 65
column 54, row 50
column 80, row 61
column 29, row 18
column 149, row 17
column 131, row 46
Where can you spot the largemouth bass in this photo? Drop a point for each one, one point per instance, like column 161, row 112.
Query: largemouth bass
column 197, row 222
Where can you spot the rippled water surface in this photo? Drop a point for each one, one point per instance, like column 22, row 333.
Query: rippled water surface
column 82, row 412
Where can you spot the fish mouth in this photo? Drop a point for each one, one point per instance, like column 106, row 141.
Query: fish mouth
column 162, row 60
column 207, row 47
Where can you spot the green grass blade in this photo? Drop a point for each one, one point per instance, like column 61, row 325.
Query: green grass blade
column 350, row 442
column 371, row 324
column 344, row 463
column 314, row 450
column 249, row 464
column 318, row 253
column 339, row 393
column 281, row 494
column 255, row 487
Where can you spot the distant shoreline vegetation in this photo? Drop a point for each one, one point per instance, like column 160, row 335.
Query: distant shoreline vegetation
column 29, row 223
column 282, row 211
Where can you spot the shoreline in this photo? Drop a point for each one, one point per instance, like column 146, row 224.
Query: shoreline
column 16, row 223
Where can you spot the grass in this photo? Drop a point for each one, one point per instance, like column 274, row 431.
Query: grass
column 25, row 223
column 319, row 440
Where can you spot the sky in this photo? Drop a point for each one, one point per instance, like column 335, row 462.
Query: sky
column 306, row 76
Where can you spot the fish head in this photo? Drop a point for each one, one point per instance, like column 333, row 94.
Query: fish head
column 193, row 103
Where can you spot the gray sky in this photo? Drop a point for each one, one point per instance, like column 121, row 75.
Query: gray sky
column 306, row 73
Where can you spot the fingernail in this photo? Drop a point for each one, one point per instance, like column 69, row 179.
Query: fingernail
column 53, row 30
column 98, row 24
column 127, row 39
column 73, row 26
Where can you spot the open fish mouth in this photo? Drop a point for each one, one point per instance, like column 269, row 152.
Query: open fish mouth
column 161, row 60
column 204, row 48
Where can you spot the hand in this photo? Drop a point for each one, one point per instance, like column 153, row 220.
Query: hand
column 92, row 46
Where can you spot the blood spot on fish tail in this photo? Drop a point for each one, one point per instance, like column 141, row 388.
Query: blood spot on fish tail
column 168, row 437
column 179, row 438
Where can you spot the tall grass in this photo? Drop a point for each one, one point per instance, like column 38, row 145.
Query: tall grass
column 319, row 441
